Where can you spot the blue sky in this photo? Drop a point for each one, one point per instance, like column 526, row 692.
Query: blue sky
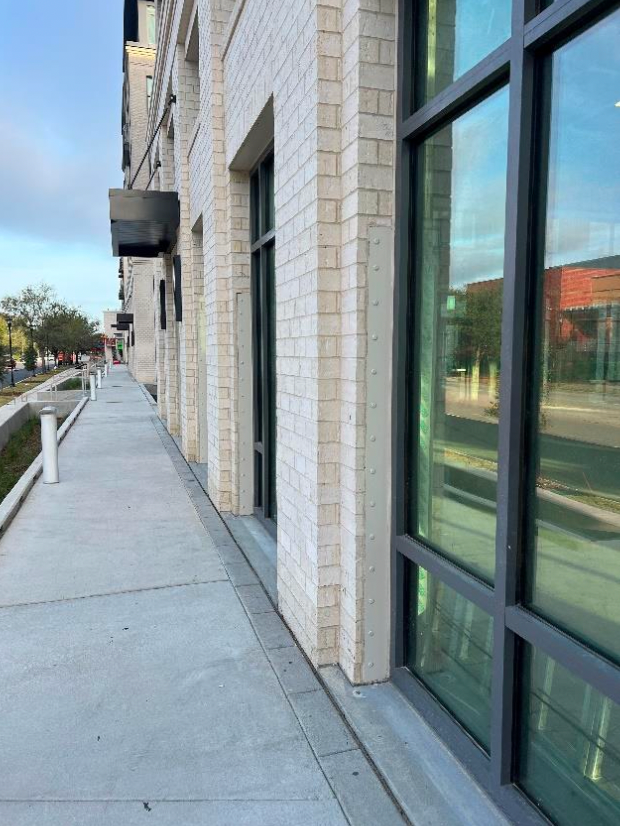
column 60, row 147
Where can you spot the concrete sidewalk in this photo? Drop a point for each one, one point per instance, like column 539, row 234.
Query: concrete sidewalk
column 145, row 676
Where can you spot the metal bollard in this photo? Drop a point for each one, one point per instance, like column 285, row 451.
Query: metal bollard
column 93, row 387
column 99, row 378
column 49, row 445
column 106, row 369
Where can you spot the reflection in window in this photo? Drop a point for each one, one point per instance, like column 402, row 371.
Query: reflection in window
column 450, row 644
column 575, row 575
column 151, row 26
column 461, row 204
column 570, row 747
column 454, row 36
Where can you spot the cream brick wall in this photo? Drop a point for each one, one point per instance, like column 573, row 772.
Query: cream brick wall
column 139, row 301
column 328, row 66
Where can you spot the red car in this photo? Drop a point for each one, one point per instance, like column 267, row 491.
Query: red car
column 115, row 361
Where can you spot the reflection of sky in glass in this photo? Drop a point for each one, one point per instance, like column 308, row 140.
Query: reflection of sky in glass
column 583, row 213
column 481, row 26
column 479, row 159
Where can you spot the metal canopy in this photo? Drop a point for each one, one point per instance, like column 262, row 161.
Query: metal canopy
column 120, row 326
column 144, row 224
column 124, row 318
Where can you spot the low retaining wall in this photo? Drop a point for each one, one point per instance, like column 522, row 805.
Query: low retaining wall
column 11, row 425
column 28, row 410
column 14, row 500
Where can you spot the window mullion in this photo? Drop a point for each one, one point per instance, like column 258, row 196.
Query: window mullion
column 510, row 491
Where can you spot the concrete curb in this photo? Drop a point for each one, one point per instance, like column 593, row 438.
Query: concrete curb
column 147, row 395
column 16, row 498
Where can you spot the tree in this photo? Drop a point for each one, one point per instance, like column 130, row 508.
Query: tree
column 30, row 359
column 477, row 328
column 4, row 362
column 20, row 340
column 28, row 308
column 68, row 330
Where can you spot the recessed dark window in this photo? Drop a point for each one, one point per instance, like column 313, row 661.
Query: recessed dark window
column 177, row 288
column 262, row 222
column 162, row 304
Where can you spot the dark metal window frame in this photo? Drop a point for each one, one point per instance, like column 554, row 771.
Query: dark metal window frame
column 517, row 64
column 262, row 239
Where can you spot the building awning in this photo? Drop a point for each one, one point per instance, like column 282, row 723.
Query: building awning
column 124, row 318
column 120, row 326
column 144, row 224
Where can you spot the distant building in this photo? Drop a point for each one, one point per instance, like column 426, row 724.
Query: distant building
column 114, row 340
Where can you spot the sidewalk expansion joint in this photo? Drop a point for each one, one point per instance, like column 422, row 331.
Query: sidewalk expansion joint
column 112, row 594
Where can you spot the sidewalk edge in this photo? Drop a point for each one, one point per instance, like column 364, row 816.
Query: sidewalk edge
column 18, row 494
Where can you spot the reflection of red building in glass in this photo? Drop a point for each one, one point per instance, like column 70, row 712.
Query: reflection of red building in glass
column 582, row 317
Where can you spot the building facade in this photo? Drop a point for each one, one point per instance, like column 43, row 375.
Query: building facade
column 386, row 325
column 115, row 340
column 137, row 273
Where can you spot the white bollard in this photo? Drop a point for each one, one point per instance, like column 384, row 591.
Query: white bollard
column 49, row 445
column 99, row 378
column 105, row 370
column 93, row 388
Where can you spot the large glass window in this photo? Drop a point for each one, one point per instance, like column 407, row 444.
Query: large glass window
column 461, row 203
column 454, row 35
column 507, row 395
column 570, row 757
column 574, row 571
column 450, row 642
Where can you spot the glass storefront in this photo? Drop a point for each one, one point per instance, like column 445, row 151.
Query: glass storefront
column 450, row 649
column 508, row 395
column 462, row 202
column 453, row 37
column 574, row 576
column 570, row 744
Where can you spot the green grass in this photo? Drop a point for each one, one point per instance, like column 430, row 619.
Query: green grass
column 18, row 454
column 72, row 384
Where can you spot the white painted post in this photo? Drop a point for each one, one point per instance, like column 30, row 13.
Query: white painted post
column 93, row 388
column 98, row 378
column 49, row 445
column 105, row 369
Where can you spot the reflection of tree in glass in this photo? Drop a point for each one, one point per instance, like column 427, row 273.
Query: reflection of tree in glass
column 477, row 323
column 480, row 322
